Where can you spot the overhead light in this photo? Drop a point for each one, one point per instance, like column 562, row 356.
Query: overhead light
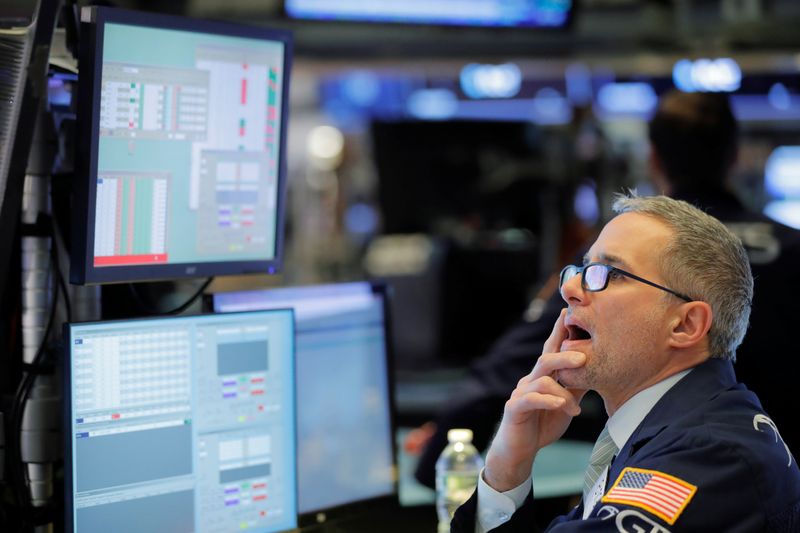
column 432, row 104
column 578, row 80
column 631, row 98
column 361, row 87
column 707, row 75
column 491, row 81
column 325, row 145
column 779, row 97
column 550, row 107
column 782, row 172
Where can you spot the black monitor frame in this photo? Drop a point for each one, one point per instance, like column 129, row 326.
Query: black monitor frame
column 354, row 509
column 82, row 269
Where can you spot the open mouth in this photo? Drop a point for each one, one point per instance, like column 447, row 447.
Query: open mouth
column 577, row 333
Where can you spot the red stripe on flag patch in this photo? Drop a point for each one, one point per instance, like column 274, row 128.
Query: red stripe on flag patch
column 661, row 494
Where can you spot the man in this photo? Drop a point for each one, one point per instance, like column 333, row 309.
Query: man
column 694, row 146
column 653, row 321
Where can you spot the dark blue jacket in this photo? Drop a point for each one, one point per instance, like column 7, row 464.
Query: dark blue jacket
column 710, row 432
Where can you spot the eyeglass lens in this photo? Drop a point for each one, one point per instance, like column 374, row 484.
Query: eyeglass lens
column 567, row 274
column 595, row 276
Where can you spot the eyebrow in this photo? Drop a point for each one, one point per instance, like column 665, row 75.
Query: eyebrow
column 608, row 258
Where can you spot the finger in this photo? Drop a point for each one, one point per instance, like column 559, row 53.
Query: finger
column 550, row 387
column 540, row 401
column 519, row 409
column 558, row 335
column 548, row 363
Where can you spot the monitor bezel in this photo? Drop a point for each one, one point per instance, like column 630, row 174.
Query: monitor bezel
column 66, row 434
column 82, row 268
column 331, row 515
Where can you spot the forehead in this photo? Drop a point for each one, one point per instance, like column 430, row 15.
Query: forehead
column 631, row 240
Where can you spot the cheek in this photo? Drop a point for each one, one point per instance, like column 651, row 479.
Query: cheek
column 639, row 334
column 629, row 331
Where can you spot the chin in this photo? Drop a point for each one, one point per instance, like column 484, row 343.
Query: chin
column 572, row 378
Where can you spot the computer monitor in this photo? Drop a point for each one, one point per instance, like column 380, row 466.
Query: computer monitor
column 345, row 437
column 181, row 424
column 181, row 137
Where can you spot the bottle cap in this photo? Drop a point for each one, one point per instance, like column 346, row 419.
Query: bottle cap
column 459, row 435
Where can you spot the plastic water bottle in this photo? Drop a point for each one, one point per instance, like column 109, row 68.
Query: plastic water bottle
column 457, row 471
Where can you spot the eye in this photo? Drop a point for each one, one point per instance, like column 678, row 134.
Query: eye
column 614, row 274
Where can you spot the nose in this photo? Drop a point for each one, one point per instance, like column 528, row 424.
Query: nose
column 572, row 292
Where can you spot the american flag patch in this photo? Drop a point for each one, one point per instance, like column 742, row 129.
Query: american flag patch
column 663, row 495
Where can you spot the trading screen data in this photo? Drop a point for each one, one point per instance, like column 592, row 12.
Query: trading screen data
column 187, row 164
column 183, row 424
column 341, row 353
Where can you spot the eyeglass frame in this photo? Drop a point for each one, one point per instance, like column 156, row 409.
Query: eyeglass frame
column 610, row 268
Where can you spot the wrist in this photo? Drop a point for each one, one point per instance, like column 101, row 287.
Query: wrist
column 503, row 476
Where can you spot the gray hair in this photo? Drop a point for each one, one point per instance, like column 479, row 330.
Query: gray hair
column 704, row 260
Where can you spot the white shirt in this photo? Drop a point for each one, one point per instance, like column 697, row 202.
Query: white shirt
column 495, row 508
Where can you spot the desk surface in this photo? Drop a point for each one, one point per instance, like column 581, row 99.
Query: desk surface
column 558, row 472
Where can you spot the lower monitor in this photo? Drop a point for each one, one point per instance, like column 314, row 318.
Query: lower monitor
column 183, row 424
column 344, row 418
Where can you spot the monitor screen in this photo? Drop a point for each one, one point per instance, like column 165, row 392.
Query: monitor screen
column 527, row 13
column 181, row 424
column 344, row 426
column 180, row 148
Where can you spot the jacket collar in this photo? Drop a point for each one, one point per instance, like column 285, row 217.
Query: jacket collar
column 703, row 383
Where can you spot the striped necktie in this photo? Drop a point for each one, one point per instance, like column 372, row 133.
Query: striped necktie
column 602, row 453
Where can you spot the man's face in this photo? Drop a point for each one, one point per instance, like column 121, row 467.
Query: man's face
column 627, row 322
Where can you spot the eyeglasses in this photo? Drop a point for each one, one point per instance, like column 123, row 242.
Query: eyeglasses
column 595, row 278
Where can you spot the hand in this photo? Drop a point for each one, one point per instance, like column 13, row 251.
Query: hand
column 537, row 414
column 418, row 438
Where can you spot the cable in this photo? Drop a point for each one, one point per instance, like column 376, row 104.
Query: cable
column 63, row 286
column 57, row 241
column 152, row 311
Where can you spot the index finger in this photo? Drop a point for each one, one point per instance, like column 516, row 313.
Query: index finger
column 558, row 335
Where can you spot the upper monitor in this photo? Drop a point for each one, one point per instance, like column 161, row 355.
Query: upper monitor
column 181, row 424
column 181, row 162
column 345, row 441
column 527, row 13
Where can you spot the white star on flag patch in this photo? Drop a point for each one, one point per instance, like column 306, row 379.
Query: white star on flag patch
column 661, row 494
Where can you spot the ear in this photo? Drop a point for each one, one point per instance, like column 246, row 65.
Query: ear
column 691, row 324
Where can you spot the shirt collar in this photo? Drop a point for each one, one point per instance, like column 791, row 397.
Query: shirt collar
column 627, row 418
